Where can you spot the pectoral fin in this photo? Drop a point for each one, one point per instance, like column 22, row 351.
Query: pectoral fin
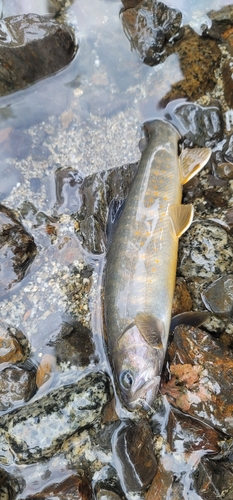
column 151, row 328
column 192, row 161
column 191, row 318
column 181, row 217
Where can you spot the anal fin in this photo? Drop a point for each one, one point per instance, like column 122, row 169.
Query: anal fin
column 192, row 161
column 181, row 217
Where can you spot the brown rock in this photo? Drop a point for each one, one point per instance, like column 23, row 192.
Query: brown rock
column 161, row 485
column 129, row 4
column 227, row 73
column 182, row 301
column 202, row 377
column 199, row 58
column 32, row 47
column 45, row 369
column 73, row 488
column 14, row 347
column 17, row 250
column 134, row 441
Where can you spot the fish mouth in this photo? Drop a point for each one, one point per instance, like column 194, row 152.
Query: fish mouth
column 144, row 394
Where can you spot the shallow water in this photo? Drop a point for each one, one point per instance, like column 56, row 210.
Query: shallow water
column 87, row 117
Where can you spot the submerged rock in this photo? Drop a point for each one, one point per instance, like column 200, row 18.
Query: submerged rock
column 14, row 346
column 38, row 429
column 201, row 377
column 17, row 250
column 103, row 194
column 17, row 386
column 32, row 47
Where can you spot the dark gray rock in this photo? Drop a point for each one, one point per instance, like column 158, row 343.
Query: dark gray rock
column 218, row 297
column 99, row 192
column 32, row 47
column 17, row 250
column 149, row 26
column 214, row 479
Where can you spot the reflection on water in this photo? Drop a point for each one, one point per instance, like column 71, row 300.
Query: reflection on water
column 52, row 135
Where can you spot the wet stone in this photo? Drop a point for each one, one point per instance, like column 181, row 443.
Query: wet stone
column 149, row 26
column 14, row 346
column 161, row 485
column 201, row 378
column 73, row 488
column 65, row 190
column 191, row 435
column 74, row 345
column 223, row 17
column 39, row 428
column 32, row 47
column 9, row 486
column 17, row 250
column 103, row 494
column 101, row 193
column 132, row 442
column 218, row 297
column 17, row 386
column 214, row 479
column 200, row 126
column 198, row 58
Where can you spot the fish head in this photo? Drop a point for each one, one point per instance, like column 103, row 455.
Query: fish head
column 138, row 364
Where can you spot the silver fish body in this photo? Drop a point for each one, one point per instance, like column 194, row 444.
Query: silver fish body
column 141, row 266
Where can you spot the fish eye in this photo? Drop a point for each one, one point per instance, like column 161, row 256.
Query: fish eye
column 126, row 379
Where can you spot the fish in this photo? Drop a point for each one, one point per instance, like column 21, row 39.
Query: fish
column 141, row 264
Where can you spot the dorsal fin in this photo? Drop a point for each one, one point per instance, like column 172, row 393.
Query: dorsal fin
column 192, row 161
column 151, row 328
column 181, row 217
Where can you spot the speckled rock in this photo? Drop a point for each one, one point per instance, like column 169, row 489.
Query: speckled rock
column 205, row 250
column 38, row 429
column 17, row 250
column 131, row 441
column 149, row 26
column 198, row 58
column 31, row 48
column 201, row 378
column 73, row 488
column 10, row 486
